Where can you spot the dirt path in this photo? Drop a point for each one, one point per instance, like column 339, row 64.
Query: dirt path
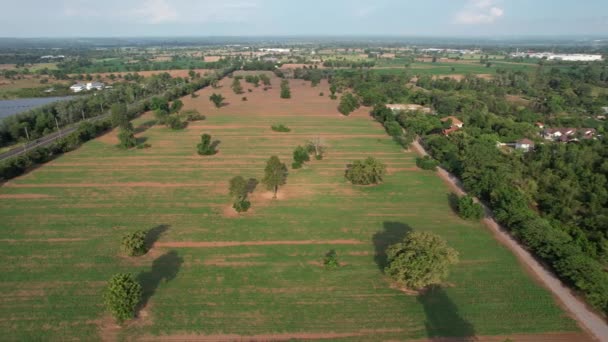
column 211, row 244
column 586, row 318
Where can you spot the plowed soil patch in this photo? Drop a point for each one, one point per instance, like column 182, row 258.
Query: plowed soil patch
column 268, row 337
column 24, row 196
column 211, row 244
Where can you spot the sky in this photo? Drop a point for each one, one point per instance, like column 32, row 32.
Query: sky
column 130, row 18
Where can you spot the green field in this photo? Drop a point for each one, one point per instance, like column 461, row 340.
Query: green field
column 62, row 224
column 451, row 68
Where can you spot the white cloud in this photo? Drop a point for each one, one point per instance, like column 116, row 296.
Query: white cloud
column 479, row 12
column 155, row 12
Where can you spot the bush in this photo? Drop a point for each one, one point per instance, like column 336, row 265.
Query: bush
column 369, row 171
column 393, row 128
column 280, row 128
column 348, row 103
column 321, row 94
column 468, row 209
column 192, row 115
column 333, row 97
column 134, row 244
column 244, row 98
column 122, row 296
column 241, row 206
column 427, row 163
column 300, row 156
column 285, row 91
column 420, row 260
column 174, row 122
column 126, row 137
column 205, row 147
column 330, row 261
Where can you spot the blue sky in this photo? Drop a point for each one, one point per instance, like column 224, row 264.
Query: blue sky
column 105, row 18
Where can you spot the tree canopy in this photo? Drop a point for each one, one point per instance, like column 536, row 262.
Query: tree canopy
column 275, row 174
column 366, row 172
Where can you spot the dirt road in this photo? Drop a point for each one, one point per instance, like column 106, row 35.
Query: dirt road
column 589, row 320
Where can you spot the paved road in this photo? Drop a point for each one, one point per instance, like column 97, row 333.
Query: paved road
column 589, row 320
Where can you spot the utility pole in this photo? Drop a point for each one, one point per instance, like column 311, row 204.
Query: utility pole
column 28, row 138
column 57, row 124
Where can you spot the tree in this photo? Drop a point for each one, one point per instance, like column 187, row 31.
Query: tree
column 217, row 99
column 133, row 244
column 468, row 209
column 316, row 146
column 348, row 103
column 420, row 260
column 285, row 91
column 300, row 155
column 236, row 86
column 205, row 147
column 265, row 79
column 126, row 137
column 330, row 261
column 192, row 115
column 119, row 115
column 161, row 116
column 176, row 106
column 275, row 174
column 369, row 171
column 174, row 122
column 159, row 103
column 239, row 189
column 122, row 296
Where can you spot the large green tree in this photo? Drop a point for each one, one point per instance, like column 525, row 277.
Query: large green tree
column 122, row 296
column 366, row 172
column 275, row 174
column 420, row 260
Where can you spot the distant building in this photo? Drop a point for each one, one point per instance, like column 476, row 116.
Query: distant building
column 410, row 107
column 455, row 121
column 456, row 125
column 78, row 87
column 568, row 134
column 572, row 57
column 524, row 144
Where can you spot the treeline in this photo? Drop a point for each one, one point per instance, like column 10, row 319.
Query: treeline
column 44, row 120
column 15, row 166
column 345, row 63
column 84, row 65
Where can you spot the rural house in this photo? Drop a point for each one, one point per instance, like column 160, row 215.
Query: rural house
column 456, row 124
column 78, row 87
column 568, row 134
column 524, row 144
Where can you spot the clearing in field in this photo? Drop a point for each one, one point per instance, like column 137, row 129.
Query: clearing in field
column 218, row 276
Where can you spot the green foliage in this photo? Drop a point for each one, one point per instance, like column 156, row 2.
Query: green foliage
column 265, row 79
column 241, row 206
column 239, row 189
column 468, row 209
column 192, row 115
column 275, row 174
column 173, row 121
column 236, row 86
column 420, row 260
column 330, row 261
column 280, row 128
column 122, row 296
column 176, row 106
column 217, row 99
column 126, row 137
column 119, row 115
column 317, row 147
column 159, row 103
column 161, row 116
column 348, row 103
column 366, row 172
column 205, row 147
column 285, row 91
column 133, row 244
column 300, row 156
column 427, row 163
column 255, row 80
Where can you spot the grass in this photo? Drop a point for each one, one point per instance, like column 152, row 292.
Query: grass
column 51, row 289
column 450, row 68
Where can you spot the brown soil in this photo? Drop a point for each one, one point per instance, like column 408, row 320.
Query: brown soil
column 211, row 244
column 24, row 196
column 269, row 337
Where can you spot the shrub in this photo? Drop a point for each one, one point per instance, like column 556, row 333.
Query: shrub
column 174, row 122
column 300, row 156
column 122, row 296
column 330, row 261
column 333, row 97
column 205, row 147
column 126, row 137
column 192, row 115
column 420, row 260
column 348, row 103
column 321, row 94
column 393, row 128
column 369, row 171
column 468, row 209
column 244, row 98
column 217, row 99
column 241, row 206
column 285, row 91
column 280, row 128
column 427, row 163
column 133, row 244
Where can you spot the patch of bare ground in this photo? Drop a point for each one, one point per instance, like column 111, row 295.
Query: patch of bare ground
column 43, row 240
column 271, row 337
column 212, row 244
column 24, row 196
column 546, row 337
column 108, row 329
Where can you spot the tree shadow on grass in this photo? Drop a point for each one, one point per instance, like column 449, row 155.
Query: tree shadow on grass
column 252, row 183
column 442, row 316
column 164, row 269
column 392, row 233
column 144, row 126
column 154, row 234
column 453, row 202
column 214, row 145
